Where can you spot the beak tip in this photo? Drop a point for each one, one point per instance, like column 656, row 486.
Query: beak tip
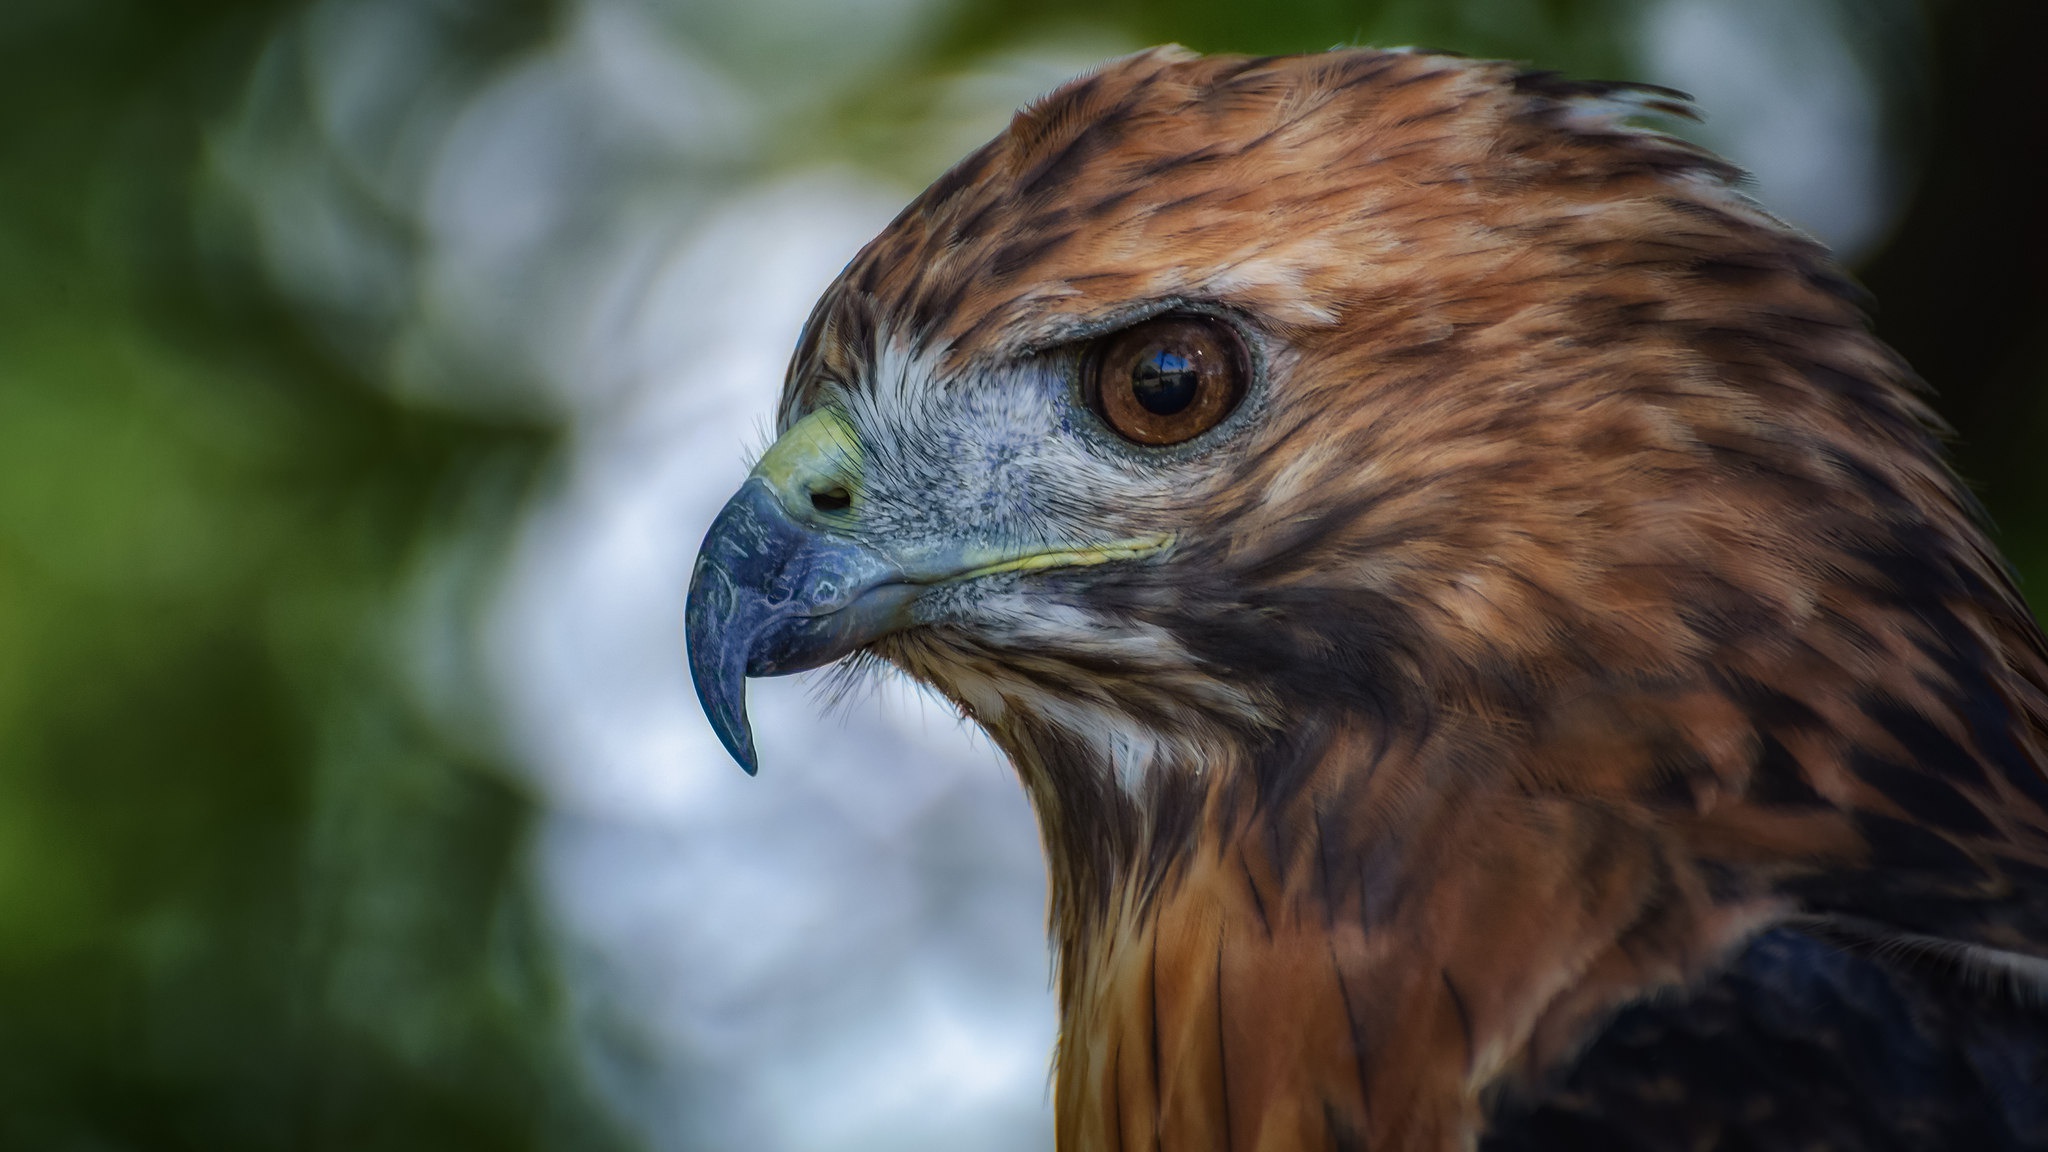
column 717, row 660
column 740, row 743
column 724, row 700
column 738, row 736
column 728, row 715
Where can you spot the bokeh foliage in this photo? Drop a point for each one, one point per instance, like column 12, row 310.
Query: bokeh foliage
column 249, row 896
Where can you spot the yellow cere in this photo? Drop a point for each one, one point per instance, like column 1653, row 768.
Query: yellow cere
column 820, row 452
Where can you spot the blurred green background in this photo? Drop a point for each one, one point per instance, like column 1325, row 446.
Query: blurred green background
column 260, row 888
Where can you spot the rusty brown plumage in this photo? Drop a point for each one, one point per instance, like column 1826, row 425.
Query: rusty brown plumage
column 1584, row 605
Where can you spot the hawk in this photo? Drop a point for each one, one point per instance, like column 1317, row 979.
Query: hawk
column 1495, row 650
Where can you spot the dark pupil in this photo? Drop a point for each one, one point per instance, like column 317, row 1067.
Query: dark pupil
column 1164, row 382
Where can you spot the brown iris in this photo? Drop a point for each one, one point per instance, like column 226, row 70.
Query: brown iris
column 1166, row 380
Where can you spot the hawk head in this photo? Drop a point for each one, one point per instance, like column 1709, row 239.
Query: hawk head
column 1220, row 393
column 1408, row 464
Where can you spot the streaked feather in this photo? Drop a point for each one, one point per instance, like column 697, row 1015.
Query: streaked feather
column 1582, row 710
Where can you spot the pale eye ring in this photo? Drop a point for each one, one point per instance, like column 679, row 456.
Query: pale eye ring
column 1166, row 380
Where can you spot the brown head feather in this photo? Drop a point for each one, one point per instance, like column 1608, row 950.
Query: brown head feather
column 1588, row 581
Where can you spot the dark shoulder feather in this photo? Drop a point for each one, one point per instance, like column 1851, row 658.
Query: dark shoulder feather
column 1803, row 1043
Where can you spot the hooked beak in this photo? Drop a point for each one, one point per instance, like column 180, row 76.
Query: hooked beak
column 784, row 582
column 771, row 595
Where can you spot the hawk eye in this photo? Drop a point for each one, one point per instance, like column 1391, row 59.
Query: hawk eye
column 1166, row 380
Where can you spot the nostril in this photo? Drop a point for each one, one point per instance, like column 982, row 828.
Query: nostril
column 832, row 500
